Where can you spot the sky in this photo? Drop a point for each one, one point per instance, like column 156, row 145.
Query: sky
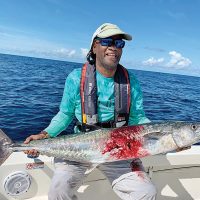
column 166, row 33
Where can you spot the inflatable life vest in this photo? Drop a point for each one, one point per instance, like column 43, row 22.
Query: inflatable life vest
column 88, row 93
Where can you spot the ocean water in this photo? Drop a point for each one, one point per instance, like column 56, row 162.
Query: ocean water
column 31, row 91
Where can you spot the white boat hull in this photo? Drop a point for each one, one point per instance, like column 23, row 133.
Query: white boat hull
column 176, row 176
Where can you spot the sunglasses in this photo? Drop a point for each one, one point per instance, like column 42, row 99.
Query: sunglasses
column 108, row 42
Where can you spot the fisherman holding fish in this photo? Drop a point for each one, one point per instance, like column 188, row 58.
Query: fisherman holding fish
column 103, row 94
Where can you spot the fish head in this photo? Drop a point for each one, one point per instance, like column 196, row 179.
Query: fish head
column 186, row 133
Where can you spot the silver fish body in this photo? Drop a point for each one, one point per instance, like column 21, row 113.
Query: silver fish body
column 107, row 145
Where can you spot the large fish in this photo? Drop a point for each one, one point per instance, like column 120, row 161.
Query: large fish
column 107, row 145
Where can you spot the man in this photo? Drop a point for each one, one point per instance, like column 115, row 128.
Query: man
column 103, row 94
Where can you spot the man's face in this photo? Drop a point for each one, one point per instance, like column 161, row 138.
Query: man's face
column 107, row 57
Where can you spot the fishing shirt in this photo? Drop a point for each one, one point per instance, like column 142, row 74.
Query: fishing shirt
column 71, row 102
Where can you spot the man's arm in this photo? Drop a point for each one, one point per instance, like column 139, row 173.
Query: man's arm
column 67, row 107
column 137, row 114
column 63, row 117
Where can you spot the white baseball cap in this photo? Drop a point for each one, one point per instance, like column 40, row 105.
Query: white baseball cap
column 108, row 30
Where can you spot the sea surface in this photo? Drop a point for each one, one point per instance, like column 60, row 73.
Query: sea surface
column 31, row 90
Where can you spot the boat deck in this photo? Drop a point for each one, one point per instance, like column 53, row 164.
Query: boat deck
column 176, row 176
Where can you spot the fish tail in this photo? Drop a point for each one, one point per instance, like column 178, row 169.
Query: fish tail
column 5, row 142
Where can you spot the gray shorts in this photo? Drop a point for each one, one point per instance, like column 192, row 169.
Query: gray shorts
column 128, row 179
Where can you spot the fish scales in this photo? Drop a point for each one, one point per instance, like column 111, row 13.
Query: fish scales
column 108, row 145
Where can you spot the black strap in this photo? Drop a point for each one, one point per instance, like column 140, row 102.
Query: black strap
column 121, row 95
column 88, row 91
column 99, row 125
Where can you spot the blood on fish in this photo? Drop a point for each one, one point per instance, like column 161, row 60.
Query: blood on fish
column 125, row 142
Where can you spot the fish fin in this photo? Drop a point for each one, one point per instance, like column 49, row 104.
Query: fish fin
column 93, row 166
column 5, row 141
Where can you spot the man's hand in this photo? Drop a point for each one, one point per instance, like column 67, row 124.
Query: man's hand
column 33, row 152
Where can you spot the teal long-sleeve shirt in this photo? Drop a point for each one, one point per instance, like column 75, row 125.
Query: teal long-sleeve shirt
column 71, row 102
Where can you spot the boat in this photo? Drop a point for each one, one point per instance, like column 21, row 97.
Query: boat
column 176, row 176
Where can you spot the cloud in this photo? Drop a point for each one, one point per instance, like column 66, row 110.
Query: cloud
column 84, row 52
column 12, row 43
column 56, row 53
column 153, row 62
column 177, row 61
column 46, row 52
column 64, row 52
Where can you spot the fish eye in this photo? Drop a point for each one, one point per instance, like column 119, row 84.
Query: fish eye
column 194, row 127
